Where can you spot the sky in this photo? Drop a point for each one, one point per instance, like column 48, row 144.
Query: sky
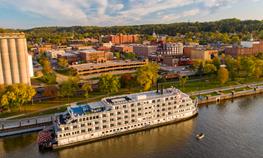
column 37, row 13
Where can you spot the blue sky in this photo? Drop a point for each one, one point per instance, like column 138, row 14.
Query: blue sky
column 34, row 13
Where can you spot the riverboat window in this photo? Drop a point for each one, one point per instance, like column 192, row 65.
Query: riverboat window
column 124, row 106
column 169, row 113
column 126, row 111
column 163, row 109
column 82, row 125
column 119, row 118
column 132, row 115
column 132, row 120
column 153, row 101
column 166, row 99
column 104, row 121
column 163, row 104
column 158, row 100
column 96, row 122
column 104, row 115
column 66, row 128
column 97, row 128
column 158, row 105
column 112, row 125
column 171, row 98
column 118, row 112
column 138, row 104
column 111, row 114
column 174, row 107
column 126, row 122
column 83, row 131
column 75, row 126
column 169, row 103
column 132, row 105
column 80, row 120
column 89, row 123
column 163, row 114
column 139, row 109
column 133, row 110
column 104, row 126
column 89, row 129
column 112, row 119
column 116, row 107
column 119, row 123
column 139, row 114
column 125, row 116
column 97, row 116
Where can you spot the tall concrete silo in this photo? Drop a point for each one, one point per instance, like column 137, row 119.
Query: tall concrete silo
column 14, row 60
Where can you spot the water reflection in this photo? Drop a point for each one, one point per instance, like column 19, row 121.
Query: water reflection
column 232, row 129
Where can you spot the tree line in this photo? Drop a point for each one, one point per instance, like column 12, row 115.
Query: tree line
column 226, row 31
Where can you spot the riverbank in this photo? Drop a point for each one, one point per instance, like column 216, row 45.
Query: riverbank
column 193, row 86
column 204, row 97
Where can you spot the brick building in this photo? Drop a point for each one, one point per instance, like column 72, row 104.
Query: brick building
column 144, row 50
column 122, row 39
column 203, row 54
column 123, row 48
column 95, row 56
column 245, row 49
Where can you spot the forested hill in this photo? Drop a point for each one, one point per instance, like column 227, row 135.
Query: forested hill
column 228, row 26
column 224, row 26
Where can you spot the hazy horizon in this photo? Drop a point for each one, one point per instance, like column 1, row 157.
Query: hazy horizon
column 28, row 14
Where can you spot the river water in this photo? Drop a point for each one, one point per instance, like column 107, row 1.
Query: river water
column 232, row 129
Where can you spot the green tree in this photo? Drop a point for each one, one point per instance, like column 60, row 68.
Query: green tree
column 260, row 35
column 49, row 78
column 147, row 75
column 248, row 65
column 109, row 83
column 209, row 68
column 232, row 66
column 86, row 87
column 127, row 81
column 46, row 65
column 235, row 39
column 68, row 88
column 117, row 55
column 62, row 63
column 258, row 71
column 223, row 75
column 182, row 81
column 16, row 95
column 216, row 61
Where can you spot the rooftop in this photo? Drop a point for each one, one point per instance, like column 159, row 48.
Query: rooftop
column 106, row 103
column 105, row 64
column 140, row 96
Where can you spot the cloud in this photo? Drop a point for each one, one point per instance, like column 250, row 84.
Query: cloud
column 116, row 12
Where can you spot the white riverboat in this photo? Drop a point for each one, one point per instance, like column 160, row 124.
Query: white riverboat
column 118, row 115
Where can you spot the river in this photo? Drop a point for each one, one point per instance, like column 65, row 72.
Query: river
column 232, row 129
